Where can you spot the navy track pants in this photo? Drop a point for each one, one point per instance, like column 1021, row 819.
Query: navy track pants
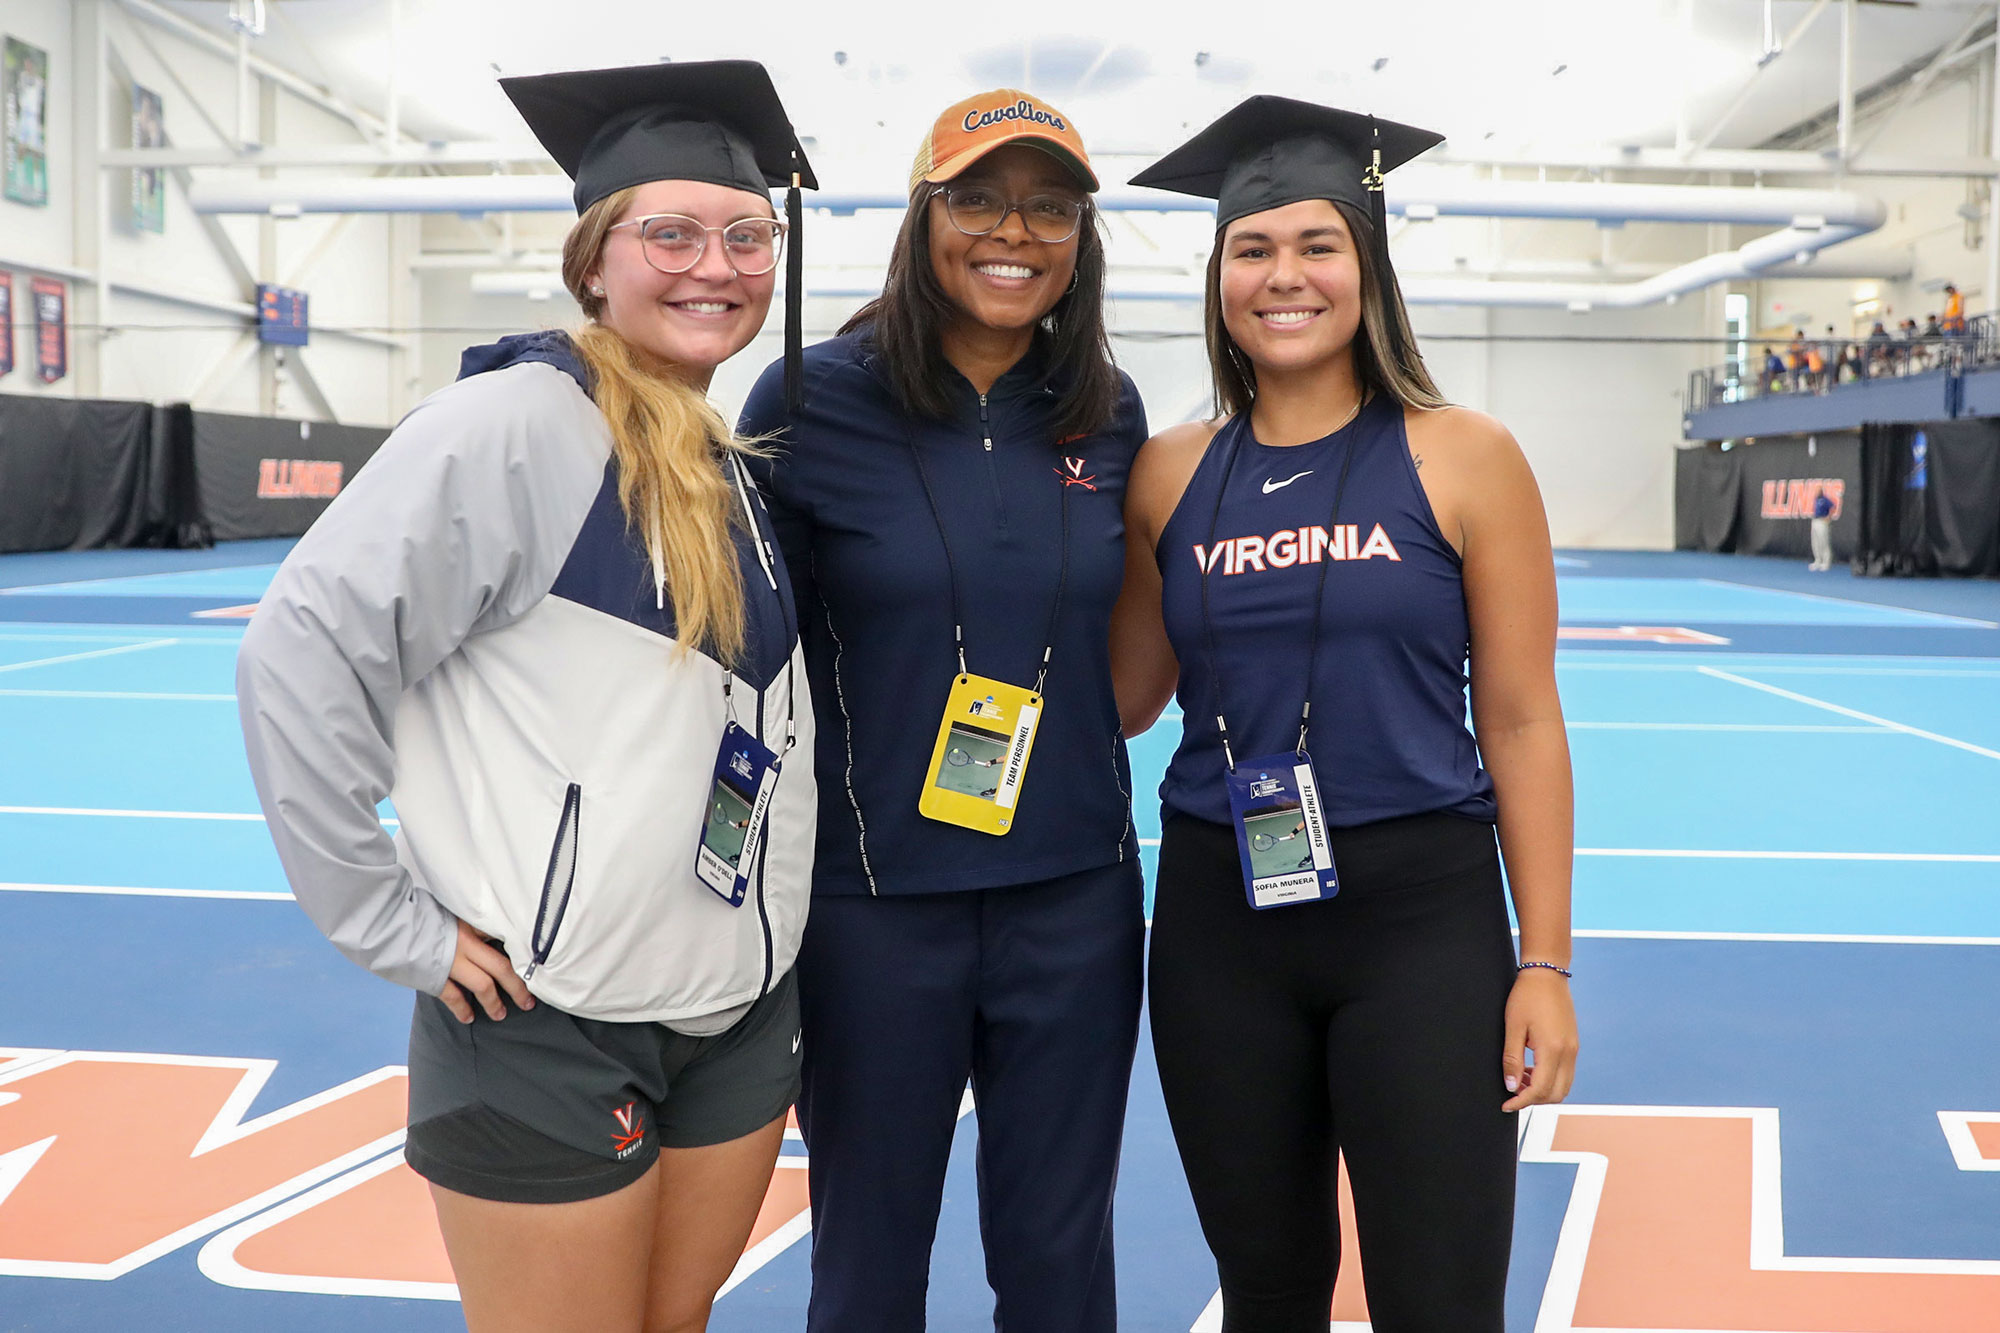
column 1031, row 991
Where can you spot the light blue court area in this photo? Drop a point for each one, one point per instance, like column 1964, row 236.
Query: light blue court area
column 1705, row 601
column 1787, row 864
column 1766, row 793
column 245, row 581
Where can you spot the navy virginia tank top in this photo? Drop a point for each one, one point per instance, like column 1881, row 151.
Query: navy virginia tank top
column 1388, row 735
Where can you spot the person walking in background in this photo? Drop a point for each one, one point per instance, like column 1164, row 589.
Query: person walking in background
column 1774, row 370
column 1816, row 366
column 1953, row 324
column 1796, row 353
column 1822, row 532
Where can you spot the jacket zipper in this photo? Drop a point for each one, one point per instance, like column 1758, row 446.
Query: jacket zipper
column 557, row 883
column 992, row 472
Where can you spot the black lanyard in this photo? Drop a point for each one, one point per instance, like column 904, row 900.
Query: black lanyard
column 767, row 561
column 1242, row 425
column 951, row 568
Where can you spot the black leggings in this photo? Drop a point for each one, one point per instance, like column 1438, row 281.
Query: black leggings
column 1369, row 1025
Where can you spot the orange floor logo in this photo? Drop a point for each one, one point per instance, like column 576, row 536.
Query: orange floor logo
column 110, row 1160
column 1677, row 1223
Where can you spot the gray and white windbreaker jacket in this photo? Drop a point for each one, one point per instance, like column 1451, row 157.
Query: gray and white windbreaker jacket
column 472, row 631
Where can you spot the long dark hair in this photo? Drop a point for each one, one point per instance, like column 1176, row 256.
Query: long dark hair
column 1386, row 359
column 909, row 317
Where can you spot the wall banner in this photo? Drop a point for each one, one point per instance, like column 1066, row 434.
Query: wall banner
column 6, row 322
column 51, row 329
column 149, row 184
column 24, row 154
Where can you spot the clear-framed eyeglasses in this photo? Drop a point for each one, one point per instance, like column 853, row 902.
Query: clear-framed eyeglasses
column 978, row 210
column 673, row 243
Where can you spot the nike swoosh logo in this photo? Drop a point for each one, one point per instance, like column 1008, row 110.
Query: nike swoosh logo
column 1270, row 485
column 795, row 1043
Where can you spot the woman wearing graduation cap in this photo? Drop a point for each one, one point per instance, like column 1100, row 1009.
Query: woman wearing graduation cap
column 1310, row 573
column 548, row 621
column 948, row 495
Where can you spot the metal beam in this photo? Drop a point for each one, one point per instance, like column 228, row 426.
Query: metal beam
column 1993, row 186
column 1948, row 55
column 218, row 236
column 145, row 43
column 366, row 122
column 1844, row 130
column 300, row 374
column 1750, row 84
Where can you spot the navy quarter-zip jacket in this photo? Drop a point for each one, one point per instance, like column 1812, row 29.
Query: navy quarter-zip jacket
column 871, row 582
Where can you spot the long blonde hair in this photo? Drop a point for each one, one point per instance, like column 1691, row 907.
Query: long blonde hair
column 672, row 448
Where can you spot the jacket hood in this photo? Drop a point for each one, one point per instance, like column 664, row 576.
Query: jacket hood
column 551, row 346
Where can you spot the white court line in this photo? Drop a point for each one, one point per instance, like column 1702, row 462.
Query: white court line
column 1849, row 601
column 1711, row 726
column 126, row 891
column 1977, row 858
column 115, row 694
column 1708, row 854
column 78, row 657
column 1849, row 712
column 1777, row 937
column 1565, row 663
column 91, row 813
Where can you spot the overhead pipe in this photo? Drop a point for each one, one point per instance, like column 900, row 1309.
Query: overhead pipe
column 1426, row 197
column 1752, row 260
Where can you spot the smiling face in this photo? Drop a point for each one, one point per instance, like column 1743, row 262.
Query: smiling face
column 1006, row 279
column 697, row 319
column 1290, row 286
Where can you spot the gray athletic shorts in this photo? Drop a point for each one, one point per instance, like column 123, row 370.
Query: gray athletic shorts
column 545, row 1107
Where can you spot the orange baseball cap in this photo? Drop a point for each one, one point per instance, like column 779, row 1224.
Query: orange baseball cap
column 969, row 130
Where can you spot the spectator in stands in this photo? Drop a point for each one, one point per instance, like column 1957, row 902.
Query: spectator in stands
column 1774, row 370
column 1954, row 311
column 1796, row 351
column 1816, row 376
column 1910, row 354
column 1850, row 365
column 1879, row 347
column 1822, row 532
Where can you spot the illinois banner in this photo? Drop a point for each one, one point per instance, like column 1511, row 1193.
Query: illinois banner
column 24, row 76
column 51, row 329
column 149, row 184
column 6, row 322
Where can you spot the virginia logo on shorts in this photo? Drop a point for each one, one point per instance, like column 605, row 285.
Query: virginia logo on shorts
column 632, row 1129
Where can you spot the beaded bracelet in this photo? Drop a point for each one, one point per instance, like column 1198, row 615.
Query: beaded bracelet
column 1562, row 972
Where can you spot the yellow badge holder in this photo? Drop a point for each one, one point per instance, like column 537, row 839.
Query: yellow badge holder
column 981, row 755
column 980, row 758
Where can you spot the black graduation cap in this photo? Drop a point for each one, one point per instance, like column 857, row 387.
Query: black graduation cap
column 1267, row 152
column 718, row 121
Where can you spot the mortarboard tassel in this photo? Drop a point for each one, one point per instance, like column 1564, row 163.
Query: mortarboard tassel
column 1378, row 207
column 795, row 298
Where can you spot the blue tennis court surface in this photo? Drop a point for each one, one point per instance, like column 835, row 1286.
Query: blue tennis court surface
column 1787, row 901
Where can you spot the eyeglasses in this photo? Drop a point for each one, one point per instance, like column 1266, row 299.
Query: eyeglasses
column 978, row 210
column 672, row 243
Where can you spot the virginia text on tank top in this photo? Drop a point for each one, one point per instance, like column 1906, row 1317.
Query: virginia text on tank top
column 1389, row 734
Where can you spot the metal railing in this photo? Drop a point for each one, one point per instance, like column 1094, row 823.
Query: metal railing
column 1819, row 365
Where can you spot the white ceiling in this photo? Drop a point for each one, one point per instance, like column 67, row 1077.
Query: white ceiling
column 863, row 81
